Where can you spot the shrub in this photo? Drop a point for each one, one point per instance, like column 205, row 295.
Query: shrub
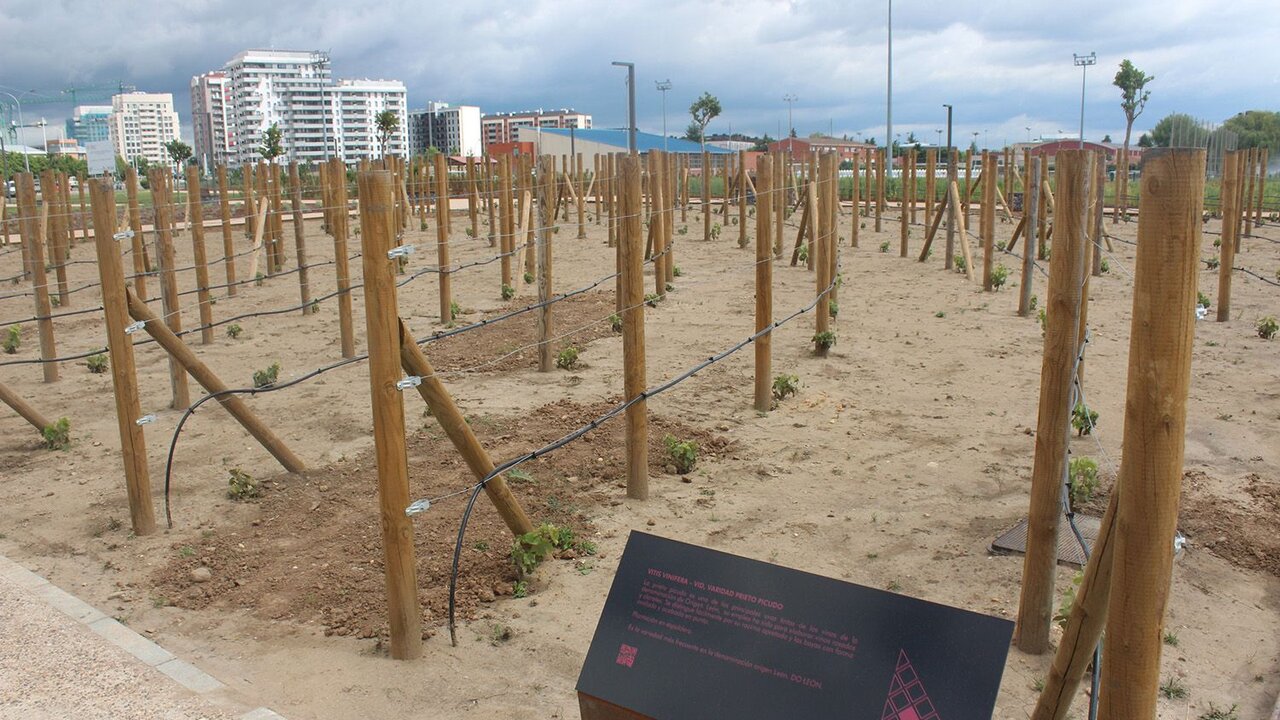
column 1201, row 299
column 97, row 363
column 833, row 308
column 804, row 253
column 1068, row 600
column 1105, row 265
column 1213, row 262
column 267, row 377
column 785, row 385
column 528, row 278
column 258, row 279
column 884, row 246
column 58, row 435
column 1083, row 419
column 531, row 548
column 568, row 358
column 234, row 331
column 999, row 275
column 1084, row 480
column 1267, row 327
column 12, row 339
column 676, row 271
column 615, row 322
column 715, row 231
column 508, row 292
column 1035, row 300
column 651, row 299
column 959, row 263
column 241, row 485
column 825, row 340
column 454, row 310
column 683, row 453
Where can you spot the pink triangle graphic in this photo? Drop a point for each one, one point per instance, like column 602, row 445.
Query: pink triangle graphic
column 907, row 698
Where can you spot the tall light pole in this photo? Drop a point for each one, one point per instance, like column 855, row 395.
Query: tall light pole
column 949, row 108
column 21, row 123
column 1028, row 133
column 631, row 104
column 663, row 87
column 789, row 99
column 939, row 131
column 888, row 105
column 1083, row 62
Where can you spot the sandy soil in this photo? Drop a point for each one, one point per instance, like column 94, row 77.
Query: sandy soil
column 905, row 453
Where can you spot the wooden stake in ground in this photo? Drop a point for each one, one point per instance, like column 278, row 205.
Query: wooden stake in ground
column 1160, row 349
column 506, row 233
column 546, row 207
column 473, row 197
column 124, row 381
column 657, row 191
column 24, row 408
column 162, row 200
column 882, row 157
column 904, row 215
column 55, row 231
column 779, row 200
column 250, row 207
column 704, row 180
column 1066, row 272
column 299, row 236
column 988, row 220
column 442, row 239
column 930, row 182
column 818, row 260
column 1230, row 211
column 1095, row 216
column 195, row 213
column 228, row 247
column 952, row 175
column 631, row 256
column 29, row 228
column 339, row 227
column 526, row 218
column 1237, row 218
column 1030, row 204
column 764, row 285
column 377, row 213
column 1250, row 173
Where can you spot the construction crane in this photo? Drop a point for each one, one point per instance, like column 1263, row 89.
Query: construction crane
column 76, row 95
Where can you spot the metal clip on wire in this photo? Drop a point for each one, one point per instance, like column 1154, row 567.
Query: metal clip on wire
column 417, row 507
column 134, row 327
column 411, row 381
column 124, row 235
column 146, row 419
column 400, row 251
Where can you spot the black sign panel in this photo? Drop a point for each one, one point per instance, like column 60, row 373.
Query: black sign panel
column 689, row 632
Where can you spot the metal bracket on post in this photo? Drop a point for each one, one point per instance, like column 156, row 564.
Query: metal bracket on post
column 417, row 507
column 145, row 419
column 123, row 235
column 400, row 251
column 132, row 328
column 411, row 381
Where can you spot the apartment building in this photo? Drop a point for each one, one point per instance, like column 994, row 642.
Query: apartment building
column 210, row 118
column 503, row 127
column 89, row 123
column 140, row 125
column 295, row 90
column 453, row 129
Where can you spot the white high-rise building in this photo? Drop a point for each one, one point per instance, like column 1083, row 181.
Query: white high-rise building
column 210, row 118
column 452, row 129
column 295, row 91
column 141, row 124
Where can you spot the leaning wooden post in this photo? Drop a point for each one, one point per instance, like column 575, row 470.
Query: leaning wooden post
column 546, row 209
column 24, row 408
column 1066, row 271
column 704, row 179
column 442, row 239
column 1160, row 349
column 377, row 236
column 1030, row 205
column 339, row 219
column 196, row 216
column 988, row 220
column 764, row 284
column 299, row 236
column 631, row 253
column 1230, row 211
column 29, row 228
column 228, row 247
column 124, row 380
column 161, row 199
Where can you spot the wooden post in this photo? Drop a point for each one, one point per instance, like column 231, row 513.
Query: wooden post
column 968, row 184
column 833, row 234
column 742, row 198
column 526, row 217
column 1262, row 185
column 299, row 235
column 250, row 207
column 506, row 239
column 1240, row 203
column 764, row 284
column 29, row 228
column 546, row 209
column 228, row 247
column 1086, row 223
column 1035, row 611
column 912, row 189
column 1095, row 217
column 610, row 186
column 578, row 190
column 1160, row 349
column 882, row 157
column 1030, row 204
column 813, row 209
column 705, row 181
column 162, row 200
column 377, row 213
column 821, row 217
column 339, row 227
column 124, row 381
column 656, row 191
column 141, row 259
column 988, row 219
column 668, row 219
column 904, row 215
column 277, row 217
column 55, row 231
column 442, row 239
column 631, row 253
column 1230, row 212
column 85, row 225
column 1042, row 231
column 952, row 175
column 872, row 156
column 491, row 197
column 779, row 200
column 473, row 197
column 930, row 181
column 23, row 408
column 195, row 214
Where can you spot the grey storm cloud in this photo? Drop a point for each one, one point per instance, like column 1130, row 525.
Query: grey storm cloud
column 1005, row 66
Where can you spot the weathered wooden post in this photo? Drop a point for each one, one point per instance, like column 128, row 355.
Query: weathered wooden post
column 821, row 217
column 1230, row 195
column 704, row 180
column 546, row 209
column 248, row 183
column 442, row 239
column 339, row 226
column 882, row 157
column 506, row 239
column 904, row 215
column 162, row 200
column 196, row 216
column 764, row 284
column 1241, row 203
column 988, row 219
column 659, row 257
column 377, row 213
column 952, row 176
column 1095, row 218
column 631, row 256
column 299, row 235
column 1066, row 273
column 930, row 181
column 55, row 230
column 1030, row 205
column 29, row 228
column 228, row 247
column 1160, row 349
column 124, row 381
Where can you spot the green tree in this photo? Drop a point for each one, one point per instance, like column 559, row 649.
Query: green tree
column 122, row 166
column 1106, row 138
column 1256, row 128
column 1133, row 95
column 693, row 132
column 1144, row 141
column 179, row 152
column 1180, row 126
column 272, row 143
column 704, row 110
column 387, row 122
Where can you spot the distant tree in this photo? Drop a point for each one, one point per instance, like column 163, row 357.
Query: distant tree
column 1144, row 141
column 793, row 132
column 179, row 152
column 272, row 143
column 1186, row 129
column 693, row 132
column 1256, row 128
column 122, row 166
column 704, row 110
column 762, row 145
column 1133, row 100
column 1106, row 138
column 387, row 123
column 911, row 139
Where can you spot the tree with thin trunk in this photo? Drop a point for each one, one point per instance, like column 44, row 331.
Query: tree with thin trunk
column 1133, row 100
column 704, row 110
column 272, row 143
column 387, row 122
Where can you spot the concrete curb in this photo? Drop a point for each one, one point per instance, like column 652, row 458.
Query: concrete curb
column 151, row 654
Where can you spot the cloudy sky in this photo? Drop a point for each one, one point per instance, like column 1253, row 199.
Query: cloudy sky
column 1004, row 65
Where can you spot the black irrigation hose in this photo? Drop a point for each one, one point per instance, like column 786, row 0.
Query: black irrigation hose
column 69, row 313
column 574, row 435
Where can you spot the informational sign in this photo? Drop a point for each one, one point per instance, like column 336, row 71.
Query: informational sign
column 689, row 632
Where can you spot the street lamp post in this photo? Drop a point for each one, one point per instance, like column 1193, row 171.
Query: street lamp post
column 631, row 104
column 663, row 87
column 939, row 131
column 888, row 111
column 789, row 99
column 1083, row 62
column 1028, row 133
column 949, row 109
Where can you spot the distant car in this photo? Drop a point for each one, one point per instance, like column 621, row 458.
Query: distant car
column 10, row 189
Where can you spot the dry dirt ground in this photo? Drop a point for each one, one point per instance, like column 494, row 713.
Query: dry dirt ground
column 905, row 453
